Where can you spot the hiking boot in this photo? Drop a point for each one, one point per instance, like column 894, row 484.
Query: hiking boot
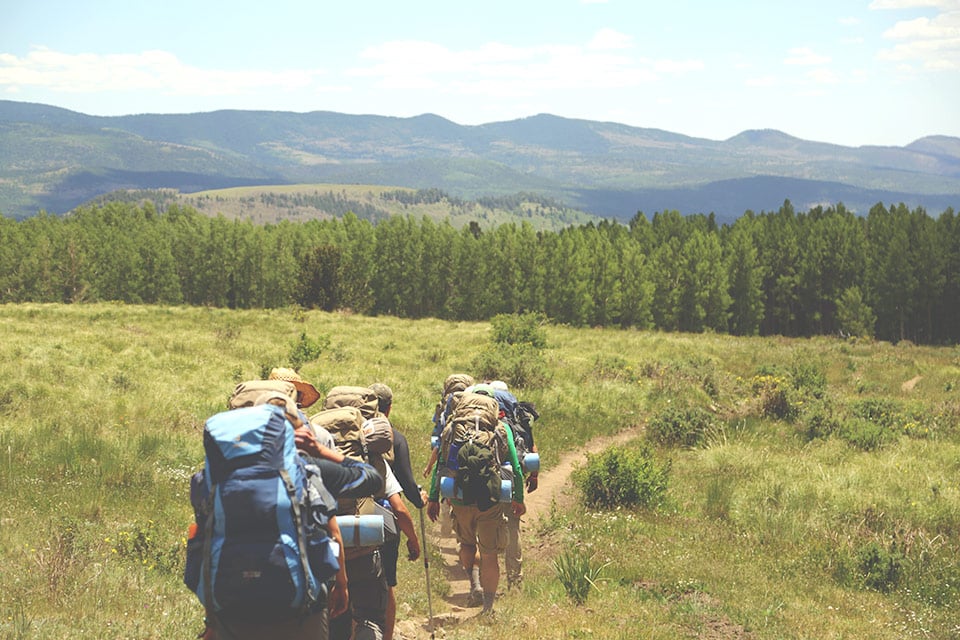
column 475, row 599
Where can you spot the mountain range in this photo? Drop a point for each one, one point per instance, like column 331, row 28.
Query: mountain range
column 53, row 159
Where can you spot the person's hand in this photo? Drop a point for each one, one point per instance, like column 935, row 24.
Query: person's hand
column 413, row 549
column 339, row 599
column 532, row 483
column 433, row 510
column 518, row 508
column 423, row 496
column 334, row 455
column 208, row 632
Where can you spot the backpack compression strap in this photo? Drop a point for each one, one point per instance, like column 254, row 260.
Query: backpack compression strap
column 208, row 551
column 311, row 595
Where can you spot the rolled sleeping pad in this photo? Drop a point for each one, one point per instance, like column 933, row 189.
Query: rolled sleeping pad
column 361, row 531
column 531, row 462
column 447, row 490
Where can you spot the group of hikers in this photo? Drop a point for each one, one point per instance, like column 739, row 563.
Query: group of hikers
column 298, row 519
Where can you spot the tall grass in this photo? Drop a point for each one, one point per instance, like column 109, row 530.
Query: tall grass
column 769, row 526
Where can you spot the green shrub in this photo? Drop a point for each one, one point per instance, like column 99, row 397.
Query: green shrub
column 623, row 477
column 517, row 329
column 778, row 398
column 819, row 422
column 879, row 568
column 675, row 426
column 808, row 377
column 863, row 434
column 882, row 411
column 307, row 349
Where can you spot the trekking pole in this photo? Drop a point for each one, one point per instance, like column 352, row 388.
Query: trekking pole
column 426, row 568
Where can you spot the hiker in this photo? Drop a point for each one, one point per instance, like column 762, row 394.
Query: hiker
column 403, row 471
column 520, row 419
column 473, row 444
column 367, row 578
column 338, row 478
column 453, row 385
column 361, row 430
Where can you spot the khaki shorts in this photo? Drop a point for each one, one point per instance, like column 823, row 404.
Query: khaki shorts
column 486, row 529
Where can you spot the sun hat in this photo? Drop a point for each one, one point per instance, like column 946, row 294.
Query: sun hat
column 308, row 393
column 384, row 393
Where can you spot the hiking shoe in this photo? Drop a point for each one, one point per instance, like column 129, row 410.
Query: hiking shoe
column 475, row 599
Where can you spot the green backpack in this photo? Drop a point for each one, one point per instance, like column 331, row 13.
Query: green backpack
column 477, row 477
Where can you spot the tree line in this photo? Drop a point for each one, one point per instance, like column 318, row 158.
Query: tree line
column 893, row 274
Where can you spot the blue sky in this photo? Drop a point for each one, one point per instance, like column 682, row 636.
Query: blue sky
column 841, row 71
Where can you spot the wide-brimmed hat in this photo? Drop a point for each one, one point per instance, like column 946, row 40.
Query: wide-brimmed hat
column 308, row 393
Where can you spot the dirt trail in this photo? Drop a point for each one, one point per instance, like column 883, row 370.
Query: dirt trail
column 911, row 383
column 554, row 488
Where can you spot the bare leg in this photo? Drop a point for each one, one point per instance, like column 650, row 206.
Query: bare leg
column 391, row 619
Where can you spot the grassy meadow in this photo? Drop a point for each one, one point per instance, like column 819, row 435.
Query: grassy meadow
column 813, row 484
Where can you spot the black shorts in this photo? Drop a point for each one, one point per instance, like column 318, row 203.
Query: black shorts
column 390, row 552
column 368, row 596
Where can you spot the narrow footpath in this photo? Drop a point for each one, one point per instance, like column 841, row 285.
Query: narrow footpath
column 554, row 489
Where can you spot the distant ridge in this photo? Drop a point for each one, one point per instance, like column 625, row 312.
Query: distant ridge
column 55, row 159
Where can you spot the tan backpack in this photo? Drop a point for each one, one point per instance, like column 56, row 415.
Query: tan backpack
column 249, row 393
column 368, row 440
column 363, row 398
column 475, row 420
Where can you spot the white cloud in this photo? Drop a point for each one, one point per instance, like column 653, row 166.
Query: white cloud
column 506, row 70
column 934, row 43
column 149, row 70
column 804, row 56
column 945, row 5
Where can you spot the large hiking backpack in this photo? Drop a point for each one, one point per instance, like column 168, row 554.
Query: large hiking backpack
column 472, row 447
column 454, row 383
column 520, row 416
column 363, row 398
column 261, row 549
column 252, row 392
column 369, row 440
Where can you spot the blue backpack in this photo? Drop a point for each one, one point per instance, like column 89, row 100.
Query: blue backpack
column 261, row 549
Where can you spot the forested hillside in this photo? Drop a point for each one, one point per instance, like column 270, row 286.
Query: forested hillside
column 54, row 160
column 892, row 274
column 300, row 203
